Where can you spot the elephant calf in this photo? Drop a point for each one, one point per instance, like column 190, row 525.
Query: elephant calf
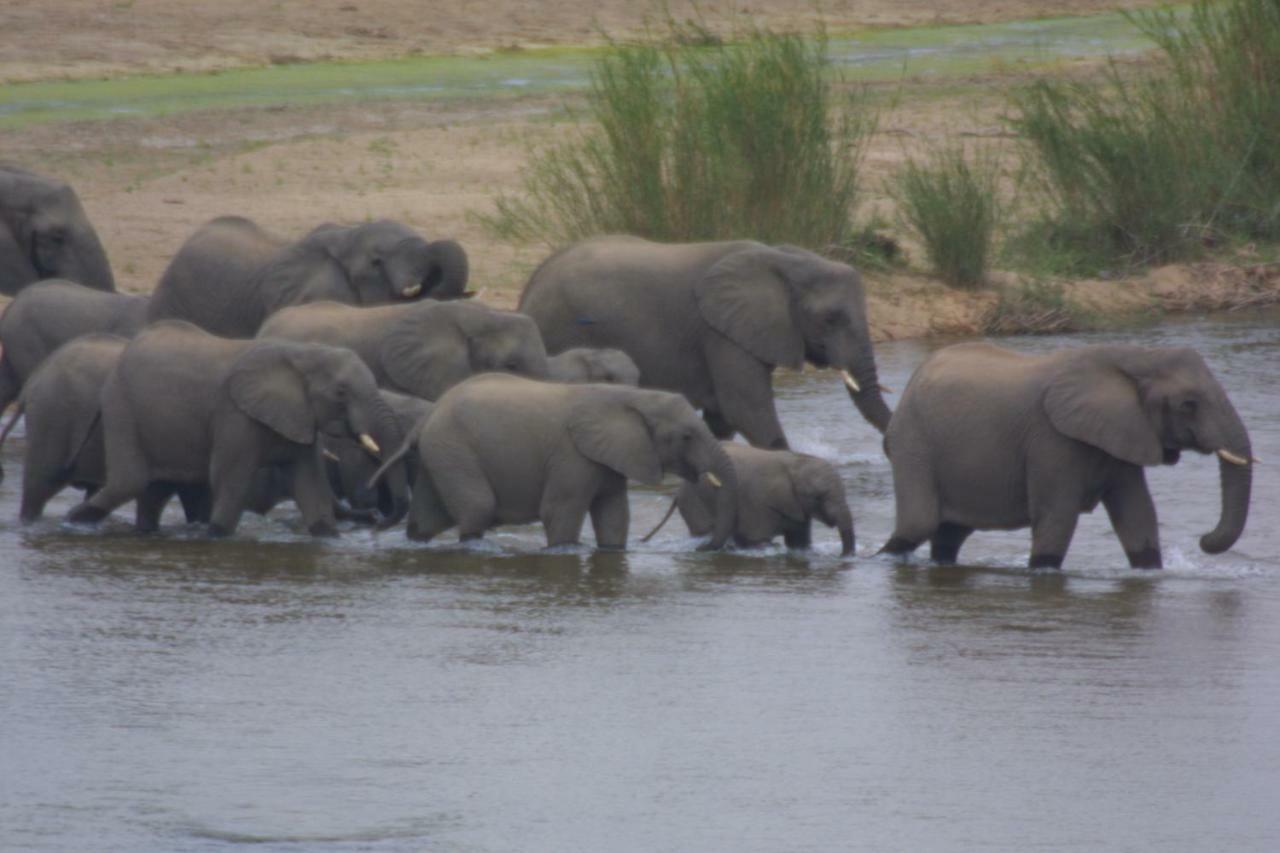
column 183, row 406
column 986, row 438
column 591, row 364
column 502, row 449
column 779, row 492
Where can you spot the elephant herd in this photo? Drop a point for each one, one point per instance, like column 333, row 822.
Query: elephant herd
column 350, row 372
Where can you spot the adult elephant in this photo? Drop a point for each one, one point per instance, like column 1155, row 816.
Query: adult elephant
column 64, row 444
column 503, row 449
column 184, row 406
column 48, row 314
column 45, row 233
column 421, row 349
column 231, row 275
column 711, row 321
column 779, row 493
column 986, row 438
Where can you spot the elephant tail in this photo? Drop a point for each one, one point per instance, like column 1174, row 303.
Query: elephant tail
column 661, row 524
column 393, row 459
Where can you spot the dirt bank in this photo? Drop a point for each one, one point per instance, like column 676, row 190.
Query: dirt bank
column 45, row 39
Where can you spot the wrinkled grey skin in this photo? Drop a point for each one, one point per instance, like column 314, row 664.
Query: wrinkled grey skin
column 184, row 406
column 46, row 315
column 64, row 444
column 590, row 364
column 231, row 275
column 779, row 492
column 502, row 449
column 985, row 438
column 422, row 349
column 45, row 233
column 711, row 321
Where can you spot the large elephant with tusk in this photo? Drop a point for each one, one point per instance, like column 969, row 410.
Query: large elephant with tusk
column 985, row 438
column 712, row 321
column 231, row 275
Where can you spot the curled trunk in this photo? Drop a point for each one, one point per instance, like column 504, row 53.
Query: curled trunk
column 448, row 271
column 1237, row 484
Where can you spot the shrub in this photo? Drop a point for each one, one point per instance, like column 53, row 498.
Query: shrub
column 1036, row 308
column 1153, row 167
column 690, row 141
column 950, row 203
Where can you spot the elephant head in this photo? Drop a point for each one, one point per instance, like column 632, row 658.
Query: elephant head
column 642, row 433
column 592, row 364
column 1144, row 406
column 786, row 306
column 817, row 492
column 45, row 233
column 301, row 390
column 434, row 346
column 385, row 261
column 351, row 467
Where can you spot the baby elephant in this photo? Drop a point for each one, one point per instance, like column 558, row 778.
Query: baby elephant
column 593, row 364
column 502, row 449
column 778, row 492
column 184, row 406
column 988, row 439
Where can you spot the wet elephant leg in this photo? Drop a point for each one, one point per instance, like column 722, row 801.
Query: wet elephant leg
column 611, row 516
column 428, row 515
column 312, row 495
column 466, row 492
column 916, row 505
column 744, row 393
column 151, row 504
column 799, row 536
column 566, row 499
column 197, row 502
column 1133, row 517
column 945, row 545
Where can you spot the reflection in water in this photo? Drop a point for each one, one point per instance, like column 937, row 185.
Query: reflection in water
column 169, row 693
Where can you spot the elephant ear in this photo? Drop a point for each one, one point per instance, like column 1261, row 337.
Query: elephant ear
column 1100, row 406
column 16, row 270
column 266, row 386
column 747, row 298
column 606, row 429
column 424, row 353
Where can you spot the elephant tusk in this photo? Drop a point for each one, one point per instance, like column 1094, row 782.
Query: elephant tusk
column 329, row 454
column 1228, row 456
column 410, row 292
column 714, row 480
column 367, row 442
column 885, row 389
column 851, row 382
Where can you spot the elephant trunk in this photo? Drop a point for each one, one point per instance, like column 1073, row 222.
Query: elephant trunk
column 448, row 270
column 719, row 471
column 387, row 433
column 842, row 519
column 1235, row 466
column 865, row 391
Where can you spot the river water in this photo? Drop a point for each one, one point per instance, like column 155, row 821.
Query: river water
column 174, row 694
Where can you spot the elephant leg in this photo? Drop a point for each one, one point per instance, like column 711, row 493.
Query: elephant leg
column 466, row 492
column 720, row 428
column 1051, row 534
column 312, row 494
column 611, row 516
column 151, row 504
column 744, row 393
column 1133, row 517
column 565, row 501
column 231, row 482
column 799, row 536
column 945, row 545
column 1055, row 494
column 37, row 490
column 197, row 502
column 916, row 506
column 428, row 515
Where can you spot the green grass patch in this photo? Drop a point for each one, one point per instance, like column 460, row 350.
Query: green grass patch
column 750, row 139
column 950, row 202
column 1161, row 165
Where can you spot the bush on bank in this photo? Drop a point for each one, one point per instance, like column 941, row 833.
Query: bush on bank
column 690, row 140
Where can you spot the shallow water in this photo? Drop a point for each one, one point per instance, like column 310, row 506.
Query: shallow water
column 881, row 54
column 168, row 693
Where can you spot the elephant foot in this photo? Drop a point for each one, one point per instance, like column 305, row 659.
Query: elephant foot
column 218, row 531
column 1045, row 561
column 86, row 514
column 323, row 528
column 1147, row 558
column 899, row 547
